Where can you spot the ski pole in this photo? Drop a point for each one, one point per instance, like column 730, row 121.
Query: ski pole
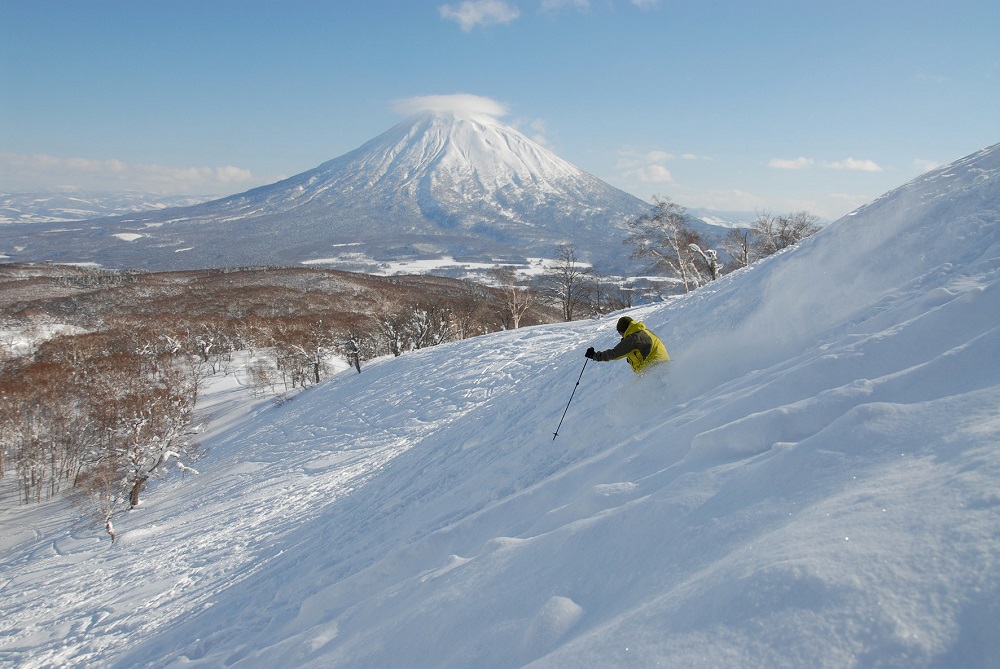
column 556, row 433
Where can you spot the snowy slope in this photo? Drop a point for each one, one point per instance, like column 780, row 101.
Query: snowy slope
column 72, row 205
column 814, row 481
column 437, row 184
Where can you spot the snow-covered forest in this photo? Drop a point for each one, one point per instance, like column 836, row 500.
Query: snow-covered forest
column 812, row 481
column 101, row 369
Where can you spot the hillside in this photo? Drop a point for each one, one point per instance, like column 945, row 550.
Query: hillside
column 91, row 298
column 72, row 205
column 811, row 482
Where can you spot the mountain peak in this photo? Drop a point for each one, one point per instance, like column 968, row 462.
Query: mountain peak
column 448, row 146
column 451, row 180
column 456, row 116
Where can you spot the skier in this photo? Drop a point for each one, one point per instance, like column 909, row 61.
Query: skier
column 639, row 345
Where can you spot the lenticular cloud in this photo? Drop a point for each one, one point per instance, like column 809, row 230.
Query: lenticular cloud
column 460, row 104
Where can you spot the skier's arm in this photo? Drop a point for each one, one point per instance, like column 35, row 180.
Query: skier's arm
column 623, row 348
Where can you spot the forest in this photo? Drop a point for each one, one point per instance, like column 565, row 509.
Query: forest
column 100, row 369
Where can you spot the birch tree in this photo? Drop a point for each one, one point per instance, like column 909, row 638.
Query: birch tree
column 566, row 282
column 769, row 234
column 665, row 238
column 516, row 297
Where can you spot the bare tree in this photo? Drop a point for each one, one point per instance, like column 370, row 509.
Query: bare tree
column 429, row 325
column 710, row 263
column 474, row 315
column 143, row 406
column 391, row 321
column 100, row 483
column 516, row 296
column 567, row 282
column 351, row 346
column 665, row 237
column 313, row 342
column 739, row 244
column 609, row 294
column 794, row 227
column 44, row 426
column 769, row 234
column 105, row 411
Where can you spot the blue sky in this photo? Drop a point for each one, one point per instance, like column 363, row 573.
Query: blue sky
column 727, row 105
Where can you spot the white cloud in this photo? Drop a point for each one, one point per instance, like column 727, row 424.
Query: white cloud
column 799, row 163
column 645, row 4
column 925, row 165
column 41, row 172
column 630, row 158
column 855, row 165
column 802, row 163
column 655, row 174
column 459, row 103
column 472, row 13
column 657, row 156
column 649, row 167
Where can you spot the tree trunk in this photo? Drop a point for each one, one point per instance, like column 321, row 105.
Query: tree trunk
column 133, row 497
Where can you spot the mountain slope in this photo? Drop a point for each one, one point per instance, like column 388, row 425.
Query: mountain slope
column 72, row 205
column 812, row 482
column 437, row 184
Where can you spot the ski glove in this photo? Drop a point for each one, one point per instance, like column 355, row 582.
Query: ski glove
column 590, row 353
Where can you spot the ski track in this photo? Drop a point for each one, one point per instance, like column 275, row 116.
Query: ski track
column 266, row 494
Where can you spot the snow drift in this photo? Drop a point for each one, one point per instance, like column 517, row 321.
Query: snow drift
column 812, row 482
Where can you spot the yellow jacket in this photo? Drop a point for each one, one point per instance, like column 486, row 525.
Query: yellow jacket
column 641, row 347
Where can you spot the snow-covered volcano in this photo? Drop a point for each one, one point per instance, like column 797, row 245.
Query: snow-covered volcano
column 441, row 183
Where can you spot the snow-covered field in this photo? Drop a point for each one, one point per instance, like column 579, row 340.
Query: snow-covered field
column 21, row 340
column 814, row 481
